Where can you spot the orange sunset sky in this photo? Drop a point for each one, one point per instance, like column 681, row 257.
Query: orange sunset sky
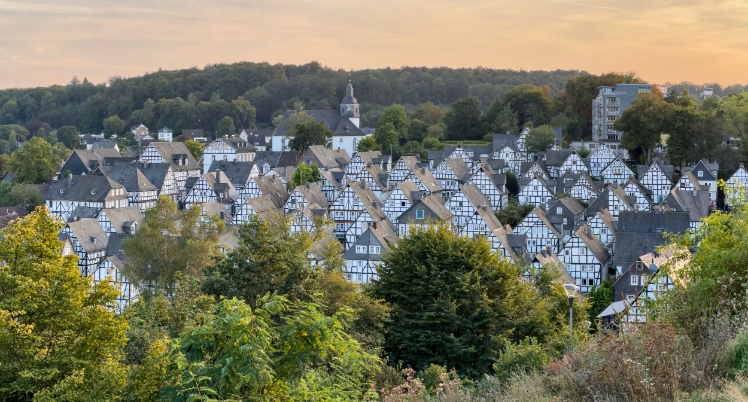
column 47, row 42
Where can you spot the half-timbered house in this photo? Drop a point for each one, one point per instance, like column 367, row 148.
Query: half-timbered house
column 120, row 220
column 600, row 158
column 141, row 192
column 706, row 174
column 85, row 162
column 658, row 178
column 465, row 203
column 212, row 186
column 512, row 157
column 89, row 191
column 239, row 173
column 270, row 186
column 540, row 232
column 377, row 179
column 739, row 179
column 642, row 194
column 263, row 207
column 614, row 199
column 617, row 171
column 110, row 270
column 603, row 225
column 89, row 243
column 372, row 213
column 452, row 173
column 531, row 169
column 332, row 183
column 305, row 203
column 428, row 210
column 421, row 175
column 575, row 164
column 535, row 191
column 554, row 162
column 227, row 150
column 567, row 210
column 695, row 202
column 365, row 255
column 349, row 205
column 183, row 164
column 586, row 259
column 162, row 177
column 403, row 196
column 492, row 185
column 361, row 160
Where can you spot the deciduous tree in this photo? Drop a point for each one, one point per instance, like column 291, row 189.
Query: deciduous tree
column 58, row 338
column 310, row 133
column 68, row 136
column 463, row 120
column 113, row 125
column 643, row 123
column 225, row 127
column 34, row 162
column 539, row 139
column 369, row 144
column 305, row 174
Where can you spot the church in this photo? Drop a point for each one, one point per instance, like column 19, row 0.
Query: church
column 344, row 124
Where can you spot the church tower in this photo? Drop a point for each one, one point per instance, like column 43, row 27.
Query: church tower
column 349, row 106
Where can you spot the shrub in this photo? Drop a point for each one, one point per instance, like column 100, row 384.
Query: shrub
column 738, row 352
column 524, row 357
column 431, row 376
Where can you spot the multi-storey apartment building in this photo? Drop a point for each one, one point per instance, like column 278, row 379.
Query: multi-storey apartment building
column 608, row 107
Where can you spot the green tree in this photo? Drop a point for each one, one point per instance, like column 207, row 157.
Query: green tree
column 269, row 259
column 438, row 131
column 9, row 112
column 20, row 194
column 539, row 139
column 428, row 113
column 58, row 339
column 34, row 162
column 195, row 148
column 514, row 213
column 310, row 133
column 68, row 136
column 396, row 116
column 643, row 123
column 506, row 121
column 681, row 125
column 512, row 183
column 463, row 120
column 225, row 127
column 171, row 242
column 305, row 174
column 453, row 301
column 293, row 121
column 278, row 350
column 369, row 144
column 114, row 125
column 432, row 143
column 530, row 103
column 387, row 136
column 244, row 113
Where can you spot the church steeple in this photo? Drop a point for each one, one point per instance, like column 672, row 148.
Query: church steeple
column 349, row 105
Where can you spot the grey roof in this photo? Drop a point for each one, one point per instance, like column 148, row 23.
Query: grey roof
column 81, row 212
column 313, row 194
column 593, row 244
column 614, row 308
column 667, row 169
column 423, row 174
column 155, row 172
column 540, row 213
column 229, row 241
column 114, row 245
column 325, row 158
column 83, row 188
column 641, row 232
column 120, row 217
column 172, row 152
column 574, row 206
column 237, row 172
column 89, row 234
column 459, row 168
column 237, row 144
column 264, row 206
column 433, row 207
column 371, row 203
column 602, row 201
column 222, row 186
column 349, row 99
column 696, row 184
column 609, row 220
column 566, row 182
column 410, row 190
column 381, row 234
column 272, row 187
column 513, row 244
column 697, row 205
column 475, row 196
column 128, row 175
column 275, row 159
column 501, row 139
column 556, row 158
column 339, row 125
column 215, row 208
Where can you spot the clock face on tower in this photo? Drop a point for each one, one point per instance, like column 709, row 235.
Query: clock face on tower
column 349, row 108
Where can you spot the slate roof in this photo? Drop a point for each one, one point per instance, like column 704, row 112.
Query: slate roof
column 697, row 205
column 383, row 235
column 264, row 206
column 475, row 196
column 83, row 188
column 641, row 232
column 325, row 158
column 501, row 139
column 239, row 145
column 171, row 152
column 593, row 244
column 221, row 185
column 272, row 187
column 155, row 172
column 275, row 159
column 667, row 169
column 120, row 217
column 602, row 201
column 540, row 213
column 8, row 214
column 237, row 172
column 128, row 175
column 513, row 244
column 574, row 206
column 340, row 126
column 313, row 194
column 609, row 220
column 423, row 174
column 215, row 208
column 229, row 241
column 556, row 158
column 89, row 234
column 81, row 212
column 459, row 168
column 410, row 190
column 114, row 245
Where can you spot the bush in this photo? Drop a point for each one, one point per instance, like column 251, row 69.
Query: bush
column 524, row 357
column 431, row 376
column 488, row 138
column 738, row 352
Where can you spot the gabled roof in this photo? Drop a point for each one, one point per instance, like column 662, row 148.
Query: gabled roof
column 8, row 214
column 239, row 145
column 665, row 169
column 609, row 220
column 637, row 184
column 275, row 158
column 155, row 172
column 264, row 206
column 512, row 244
column 313, row 194
column 383, row 235
column 215, row 208
column 89, row 234
column 688, row 174
column 128, row 175
column 325, row 158
column 120, row 217
column 334, row 176
column 423, row 174
column 221, row 185
column 459, row 168
column 81, row 212
column 172, row 152
column 540, row 213
column 237, row 172
column 83, row 188
column 433, row 203
column 411, row 191
column 475, row 196
column 572, row 204
column 272, row 187
column 556, row 158
column 593, row 244
column 697, row 205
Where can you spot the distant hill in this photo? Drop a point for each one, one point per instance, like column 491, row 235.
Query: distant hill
column 199, row 98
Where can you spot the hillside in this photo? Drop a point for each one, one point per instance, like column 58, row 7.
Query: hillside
column 203, row 96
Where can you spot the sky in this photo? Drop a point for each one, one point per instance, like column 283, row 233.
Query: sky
column 45, row 42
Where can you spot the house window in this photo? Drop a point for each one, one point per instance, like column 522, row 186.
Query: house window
column 374, row 249
column 419, row 214
column 341, row 140
column 339, row 227
column 700, row 173
column 634, row 280
column 558, row 210
column 360, row 249
column 402, row 203
column 630, row 298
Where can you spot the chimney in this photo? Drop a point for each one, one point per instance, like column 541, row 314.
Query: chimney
column 589, row 232
column 375, row 224
column 423, row 170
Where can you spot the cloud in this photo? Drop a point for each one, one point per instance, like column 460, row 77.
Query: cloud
column 44, row 42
